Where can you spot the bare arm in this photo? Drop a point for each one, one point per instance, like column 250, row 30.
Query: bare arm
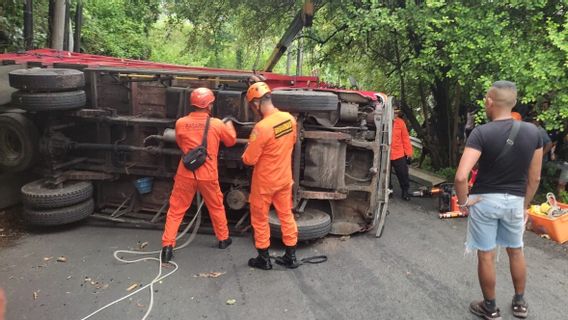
column 468, row 160
column 547, row 148
column 533, row 176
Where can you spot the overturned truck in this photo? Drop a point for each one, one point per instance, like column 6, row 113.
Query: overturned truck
column 97, row 135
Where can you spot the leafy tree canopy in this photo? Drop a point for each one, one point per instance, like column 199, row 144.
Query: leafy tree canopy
column 435, row 56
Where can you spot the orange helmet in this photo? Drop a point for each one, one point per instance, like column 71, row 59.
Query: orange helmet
column 201, row 98
column 257, row 91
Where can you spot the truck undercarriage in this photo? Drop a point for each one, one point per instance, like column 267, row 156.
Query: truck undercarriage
column 121, row 140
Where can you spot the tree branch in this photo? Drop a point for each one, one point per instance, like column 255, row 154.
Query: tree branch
column 319, row 40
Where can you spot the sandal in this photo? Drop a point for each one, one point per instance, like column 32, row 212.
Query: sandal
column 478, row 308
column 520, row 309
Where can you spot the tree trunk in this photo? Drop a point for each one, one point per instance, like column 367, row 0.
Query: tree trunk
column 58, row 27
column 429, row 140
column 454, row 150
column 78, row 26
column 441, row 121
column 28, row 25
column 300, row 55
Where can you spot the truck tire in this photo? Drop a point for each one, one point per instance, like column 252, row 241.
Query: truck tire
column 41, row 80
column 18, row 142
column 49, row 101
column 305, row 101
column 312, row 224
column 59, row 216
column 36, row 195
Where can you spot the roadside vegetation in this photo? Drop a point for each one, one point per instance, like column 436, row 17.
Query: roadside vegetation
column 437, row 57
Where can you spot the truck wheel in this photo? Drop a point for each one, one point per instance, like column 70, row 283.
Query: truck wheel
column 59, row 216
column 54, row 79
column 37, row 195
column 49, row 101
column 18, row 142
column 305, row 101
column 312, row 224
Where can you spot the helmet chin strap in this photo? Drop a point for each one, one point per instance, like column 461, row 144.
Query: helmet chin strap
column 257, row 108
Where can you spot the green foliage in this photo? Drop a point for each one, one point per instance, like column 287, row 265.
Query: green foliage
column 434, row 55
column 548, row 183
column 563, row 197
column 448, row 173
column 232, row 33
column 175, row 50
column 12, row 21
column 111, row 27
column 118, row 27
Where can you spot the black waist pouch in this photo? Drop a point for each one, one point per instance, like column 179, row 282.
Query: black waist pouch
column 196, row 157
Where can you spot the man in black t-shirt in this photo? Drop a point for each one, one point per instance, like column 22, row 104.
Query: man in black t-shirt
column 505, row 185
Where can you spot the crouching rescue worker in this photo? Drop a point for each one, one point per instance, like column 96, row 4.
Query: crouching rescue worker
column 269, row 150
column 205, row 179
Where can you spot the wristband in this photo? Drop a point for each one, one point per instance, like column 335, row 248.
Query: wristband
column 465, row 204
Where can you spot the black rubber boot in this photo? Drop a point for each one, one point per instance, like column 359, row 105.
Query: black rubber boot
column 289, row 258
column 223, row 244
column 167, row 254
column 262, row 261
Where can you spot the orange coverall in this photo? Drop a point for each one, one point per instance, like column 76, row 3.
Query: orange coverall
column 269, row 150
column 400, row 145
column 189, row 134
column 516, row 116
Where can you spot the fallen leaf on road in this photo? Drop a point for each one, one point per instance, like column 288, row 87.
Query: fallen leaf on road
column 209, row 275
column 47, row 258
column 345, row 238
column 132, row 287
column 69, row 277
column 231, row 302
column 87, row 279
column 143, row 245
column 35, row 295
column 62, row 259
column 139, row 305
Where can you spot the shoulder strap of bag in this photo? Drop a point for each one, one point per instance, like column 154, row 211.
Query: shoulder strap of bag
column 204, row 141
column 510, row 140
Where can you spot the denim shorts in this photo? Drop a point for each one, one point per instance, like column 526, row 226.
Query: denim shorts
column 497, row 219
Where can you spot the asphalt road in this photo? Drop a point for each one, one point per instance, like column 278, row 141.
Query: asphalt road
column 417, row 270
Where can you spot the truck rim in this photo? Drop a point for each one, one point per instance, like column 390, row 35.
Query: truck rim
column 10, row 146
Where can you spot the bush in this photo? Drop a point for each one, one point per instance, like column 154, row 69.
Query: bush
column 448, row 173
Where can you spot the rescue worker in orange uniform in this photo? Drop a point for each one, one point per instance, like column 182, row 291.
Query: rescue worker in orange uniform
column 516, row 116
column 269, row 150
column 189, row 134
column 401, row 153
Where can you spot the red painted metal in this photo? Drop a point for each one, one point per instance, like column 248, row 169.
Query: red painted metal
column 48, row 57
